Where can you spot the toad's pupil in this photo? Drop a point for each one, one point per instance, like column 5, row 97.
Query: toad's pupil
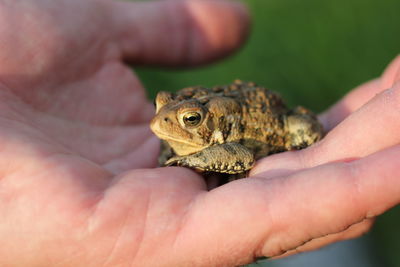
column 192, row 119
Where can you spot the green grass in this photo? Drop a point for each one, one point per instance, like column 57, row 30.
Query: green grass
column 312, row 52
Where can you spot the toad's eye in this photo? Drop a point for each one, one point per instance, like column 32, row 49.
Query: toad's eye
column 192, row 118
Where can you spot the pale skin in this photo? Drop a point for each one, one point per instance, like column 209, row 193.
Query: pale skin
column 78, row 184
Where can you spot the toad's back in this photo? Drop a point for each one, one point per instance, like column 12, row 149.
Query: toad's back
column 256, row 119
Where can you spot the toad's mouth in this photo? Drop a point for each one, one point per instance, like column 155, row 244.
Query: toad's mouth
column 181, row 141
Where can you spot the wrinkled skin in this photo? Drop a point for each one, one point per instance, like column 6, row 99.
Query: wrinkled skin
column 78, row 185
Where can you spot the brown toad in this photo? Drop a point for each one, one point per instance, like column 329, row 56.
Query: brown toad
column 226, row 128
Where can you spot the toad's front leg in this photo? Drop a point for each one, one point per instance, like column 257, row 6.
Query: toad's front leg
column 229, row 158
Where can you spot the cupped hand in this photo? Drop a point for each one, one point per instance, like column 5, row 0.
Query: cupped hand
column 78, row 185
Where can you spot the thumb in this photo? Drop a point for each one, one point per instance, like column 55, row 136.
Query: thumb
column 177, row 33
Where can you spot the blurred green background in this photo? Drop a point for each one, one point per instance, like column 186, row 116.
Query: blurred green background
column 312, row 52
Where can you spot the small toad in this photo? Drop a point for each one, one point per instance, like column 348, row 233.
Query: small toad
column 225, row 129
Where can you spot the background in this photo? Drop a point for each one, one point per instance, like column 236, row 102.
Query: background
column 312, row 52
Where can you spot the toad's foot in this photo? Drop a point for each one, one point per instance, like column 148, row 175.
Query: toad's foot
column 229, row 158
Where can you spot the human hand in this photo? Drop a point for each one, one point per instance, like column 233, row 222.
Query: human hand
column 74, row 128
column 73, row 191
column 349, row 177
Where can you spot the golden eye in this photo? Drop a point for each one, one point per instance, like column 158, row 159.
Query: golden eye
column 192, row 118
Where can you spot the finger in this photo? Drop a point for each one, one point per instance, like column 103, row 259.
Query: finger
column 255, row 217
column 361, row 95
column 391, row 74
column 351, row 102
column 373, row 127
column 178, row 32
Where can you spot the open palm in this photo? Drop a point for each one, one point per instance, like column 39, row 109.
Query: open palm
column 74, row 116
column 78, row 185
